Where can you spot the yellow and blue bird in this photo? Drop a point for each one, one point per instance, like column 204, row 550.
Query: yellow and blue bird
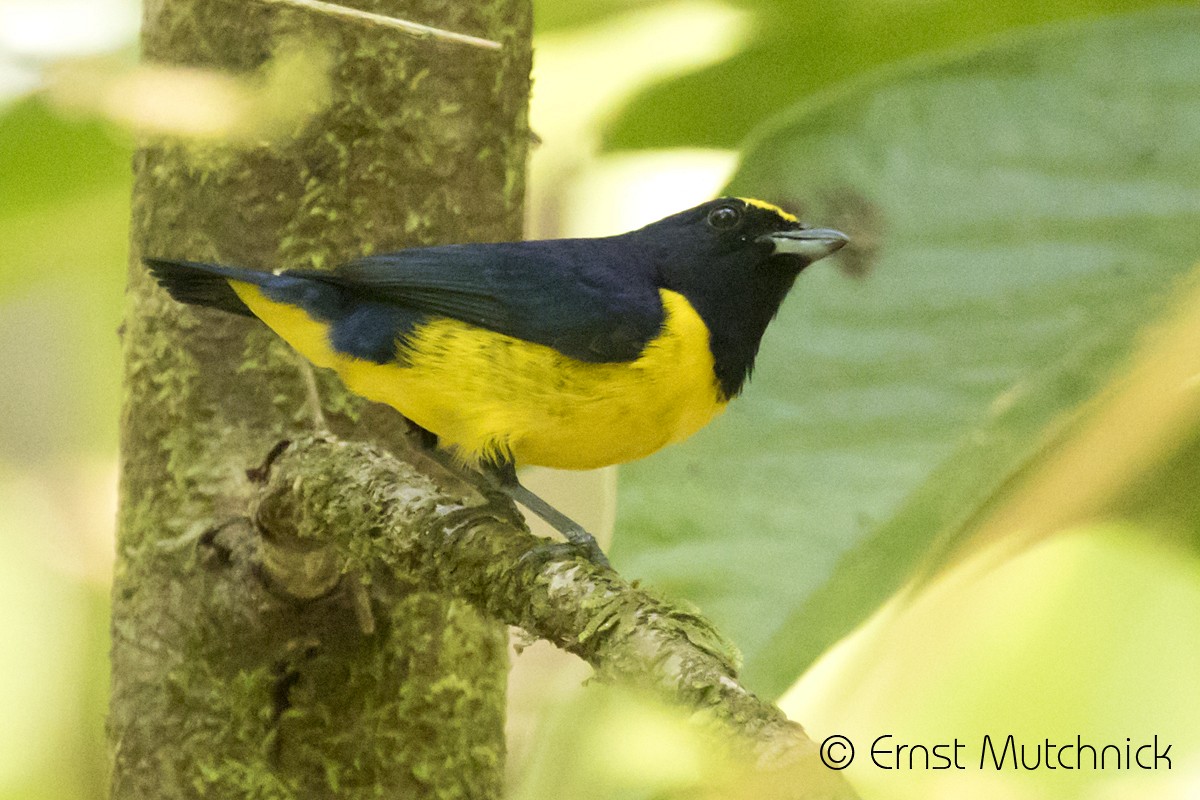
column 567, row 353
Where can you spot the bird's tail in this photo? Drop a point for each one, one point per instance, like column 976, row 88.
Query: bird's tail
column 205, row 284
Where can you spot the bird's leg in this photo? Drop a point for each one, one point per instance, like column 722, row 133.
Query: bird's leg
column 425, row 442
column 504, row 475
column 427, row 438
column 313, row 395
column 427, row 445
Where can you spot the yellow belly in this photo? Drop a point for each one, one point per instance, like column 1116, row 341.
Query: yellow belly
column 489, row 395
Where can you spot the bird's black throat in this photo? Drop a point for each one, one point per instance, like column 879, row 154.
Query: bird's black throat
column 737, row 315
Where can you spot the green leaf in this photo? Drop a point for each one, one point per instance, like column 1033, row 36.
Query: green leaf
column 560, row 15
column 45, row 159
column 64, row 230
column 804, row 47
column 1018, row 214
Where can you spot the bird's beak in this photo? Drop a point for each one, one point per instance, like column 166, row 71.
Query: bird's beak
column 811, row 244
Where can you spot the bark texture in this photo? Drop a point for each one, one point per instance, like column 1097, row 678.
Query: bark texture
column 330, row 508
column 223, row 684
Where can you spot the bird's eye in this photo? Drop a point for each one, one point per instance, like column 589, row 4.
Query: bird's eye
column 723, row 218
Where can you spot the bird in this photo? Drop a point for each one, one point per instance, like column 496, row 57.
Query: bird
column 568, row 353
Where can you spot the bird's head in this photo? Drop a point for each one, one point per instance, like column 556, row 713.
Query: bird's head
column 736, row 246
column 733, row 232
column 735, row 259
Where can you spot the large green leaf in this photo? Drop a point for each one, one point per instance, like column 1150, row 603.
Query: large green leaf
column 1033, row 204
column 805, row 46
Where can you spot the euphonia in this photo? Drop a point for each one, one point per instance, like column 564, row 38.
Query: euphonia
column 568, row 353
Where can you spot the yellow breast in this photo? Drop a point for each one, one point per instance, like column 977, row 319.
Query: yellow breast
column 490, row 395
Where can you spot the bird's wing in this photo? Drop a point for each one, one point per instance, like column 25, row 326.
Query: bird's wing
column 593, row 303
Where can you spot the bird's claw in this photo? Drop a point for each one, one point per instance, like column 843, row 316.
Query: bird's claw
column 548, row 551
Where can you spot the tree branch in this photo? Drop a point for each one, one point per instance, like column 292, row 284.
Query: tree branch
column 352, row 509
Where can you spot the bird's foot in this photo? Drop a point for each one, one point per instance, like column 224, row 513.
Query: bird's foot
column 579, row 541
column 548, row 551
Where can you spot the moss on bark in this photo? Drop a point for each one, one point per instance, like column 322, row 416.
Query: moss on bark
column 222, row 685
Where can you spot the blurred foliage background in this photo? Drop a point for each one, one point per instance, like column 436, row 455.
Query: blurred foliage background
column 959, row 496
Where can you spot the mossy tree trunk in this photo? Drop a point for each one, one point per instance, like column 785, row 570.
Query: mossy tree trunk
column 223, row 685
